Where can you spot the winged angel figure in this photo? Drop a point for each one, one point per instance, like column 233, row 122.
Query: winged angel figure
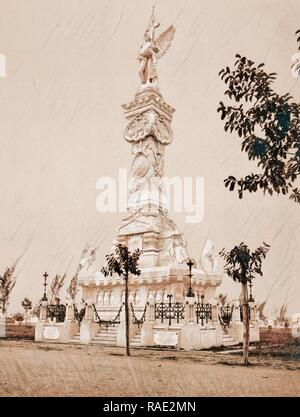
column 153, row 49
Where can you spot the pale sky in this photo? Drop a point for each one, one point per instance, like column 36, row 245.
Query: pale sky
column 71, row 64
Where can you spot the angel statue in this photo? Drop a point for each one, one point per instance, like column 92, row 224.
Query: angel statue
column 152, row 49
column 208, row 261
column 88, row 256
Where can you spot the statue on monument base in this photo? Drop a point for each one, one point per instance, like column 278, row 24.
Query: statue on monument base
column 151, row 50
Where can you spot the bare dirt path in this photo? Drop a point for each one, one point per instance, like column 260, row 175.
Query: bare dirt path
column 33, row 369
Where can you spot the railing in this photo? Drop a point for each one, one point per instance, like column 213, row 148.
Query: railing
column 141, row 320
column 169, row 311
column 226, row 316
column 203, row 312
column 56, row 311
column 79, row 315
column 107, row 323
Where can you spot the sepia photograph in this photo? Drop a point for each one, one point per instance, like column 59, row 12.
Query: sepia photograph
column 150, row 201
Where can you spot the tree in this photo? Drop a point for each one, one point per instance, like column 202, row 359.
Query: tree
column 242, row 266
column 268, row 124
column 261, row 313
column 296, row 65
column 19, row 317
column 27, row 305
column 7, row 283
column 36, row 311
column 281, row 315
column 123, row 263
column 55, row 287
column 73, row 287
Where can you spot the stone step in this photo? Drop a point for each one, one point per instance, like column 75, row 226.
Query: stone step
column 108, row 330
column 112, row 333
column 233, row 343
column 227, row 340
column 136, row 340
column 103, row 342
column 100, row 338
column 75, row 338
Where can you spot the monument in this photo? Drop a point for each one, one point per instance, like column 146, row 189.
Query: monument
column 173, row 300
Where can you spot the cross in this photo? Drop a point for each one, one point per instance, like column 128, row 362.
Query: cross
column 45, row 287
column 170, row 296
column 190, row 293
column 152, row 25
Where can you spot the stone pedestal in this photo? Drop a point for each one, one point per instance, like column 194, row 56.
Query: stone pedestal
column 89, row 327
column 2, row 325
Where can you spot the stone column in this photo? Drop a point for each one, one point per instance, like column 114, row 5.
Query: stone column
column 252, row 312
column 121, row 332
column 43, row 311
column 89, row 327
column 152, row 311
column 69, row 312
column 214, row 312
column 147, row 326
column 236, row 314
column 190, row 307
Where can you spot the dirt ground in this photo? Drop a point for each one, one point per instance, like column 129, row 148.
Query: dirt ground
column 34, row 369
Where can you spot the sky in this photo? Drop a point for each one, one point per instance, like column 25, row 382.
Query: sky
column 70, row 66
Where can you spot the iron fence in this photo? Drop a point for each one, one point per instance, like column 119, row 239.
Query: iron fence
column 169, row 311
column 203, row 312
column 56, row 311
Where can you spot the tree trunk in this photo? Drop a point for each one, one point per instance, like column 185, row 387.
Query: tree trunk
column 245, row 323
column 127, row 317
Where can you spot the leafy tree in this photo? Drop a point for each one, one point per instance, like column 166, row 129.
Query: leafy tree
column 36, row 311
column 123, row 263
column 7, row 283
column 18, row 317
column 268, row 125
column 242, row 266
column 27, row 305
column 296, row 65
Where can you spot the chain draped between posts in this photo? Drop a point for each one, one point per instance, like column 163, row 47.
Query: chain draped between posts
column 226, row 316
column 108, row 323
column 79, row 315
column 141, row 320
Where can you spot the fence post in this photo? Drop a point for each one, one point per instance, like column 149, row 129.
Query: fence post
column 214, row 311
column 152, row 311
column 236, row 311
column 88, row 315
column 191, row 311
column 252, row 312
column 69, row 312
column 43, row 311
